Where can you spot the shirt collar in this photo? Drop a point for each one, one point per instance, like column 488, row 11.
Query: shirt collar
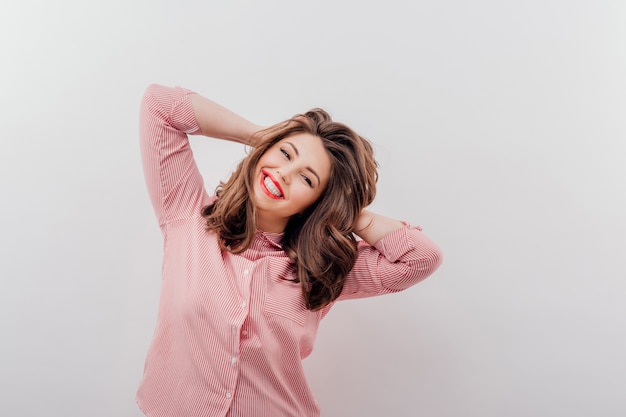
column 268, row 239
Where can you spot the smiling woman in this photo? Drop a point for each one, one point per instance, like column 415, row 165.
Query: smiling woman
column 250, row 272
column 289, row 177
column 318, row 216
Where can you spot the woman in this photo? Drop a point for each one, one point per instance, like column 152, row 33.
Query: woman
column 249, row 273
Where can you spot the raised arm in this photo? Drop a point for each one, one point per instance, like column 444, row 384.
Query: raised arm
column 167, row 116
column 372, row 227
column 218, row 122
column 393, row 256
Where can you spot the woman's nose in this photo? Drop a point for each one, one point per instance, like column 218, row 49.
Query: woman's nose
column 284, row 174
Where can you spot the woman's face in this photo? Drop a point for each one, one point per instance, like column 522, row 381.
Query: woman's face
column 288, row 178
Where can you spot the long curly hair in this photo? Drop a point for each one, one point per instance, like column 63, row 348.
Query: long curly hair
column 319, row 241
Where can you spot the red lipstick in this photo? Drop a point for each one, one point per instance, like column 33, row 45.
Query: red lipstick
column 265, row 174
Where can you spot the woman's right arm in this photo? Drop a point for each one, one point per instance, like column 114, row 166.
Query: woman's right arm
column 218, row 122
column 167, row 116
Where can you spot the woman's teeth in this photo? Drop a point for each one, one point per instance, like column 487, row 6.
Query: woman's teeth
column 271, row 187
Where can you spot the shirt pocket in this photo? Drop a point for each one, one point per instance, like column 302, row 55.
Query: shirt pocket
column 284, row 298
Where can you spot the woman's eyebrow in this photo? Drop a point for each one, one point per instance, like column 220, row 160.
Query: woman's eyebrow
column 295, row 150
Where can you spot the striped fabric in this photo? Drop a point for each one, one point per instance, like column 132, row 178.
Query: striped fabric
column 232, row 329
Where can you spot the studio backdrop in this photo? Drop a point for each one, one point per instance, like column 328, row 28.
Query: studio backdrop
column 498, row 126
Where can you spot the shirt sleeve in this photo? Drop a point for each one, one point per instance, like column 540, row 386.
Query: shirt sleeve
column 174, row 183
column 399, row 260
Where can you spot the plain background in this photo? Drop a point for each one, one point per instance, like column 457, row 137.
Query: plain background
column 499, row 127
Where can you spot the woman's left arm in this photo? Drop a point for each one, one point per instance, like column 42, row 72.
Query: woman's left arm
column 393, row 256
column 372, row 227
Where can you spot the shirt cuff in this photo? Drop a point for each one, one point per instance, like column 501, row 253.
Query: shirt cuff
column 396, row 244
column 183, row 117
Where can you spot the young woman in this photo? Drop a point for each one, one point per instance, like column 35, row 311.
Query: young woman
column 249, row 272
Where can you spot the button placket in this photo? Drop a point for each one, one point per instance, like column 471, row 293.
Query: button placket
column 245, row 274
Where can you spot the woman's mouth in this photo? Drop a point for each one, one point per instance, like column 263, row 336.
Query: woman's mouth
column 270, row 186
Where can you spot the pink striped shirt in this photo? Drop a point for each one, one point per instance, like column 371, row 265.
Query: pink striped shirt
column 232, row 330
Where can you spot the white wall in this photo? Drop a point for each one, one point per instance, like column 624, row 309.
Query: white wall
column 499, row 127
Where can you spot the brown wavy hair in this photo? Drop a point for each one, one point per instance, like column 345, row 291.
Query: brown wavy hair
column 319, row 241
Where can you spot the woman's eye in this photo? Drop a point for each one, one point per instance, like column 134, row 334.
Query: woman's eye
column 308, row 180
column 286, row 154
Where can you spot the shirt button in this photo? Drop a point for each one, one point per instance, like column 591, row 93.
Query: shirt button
column 228, row 395
column 233, row 360
column 244, row 332
column 243, row 305
column 245, row 272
